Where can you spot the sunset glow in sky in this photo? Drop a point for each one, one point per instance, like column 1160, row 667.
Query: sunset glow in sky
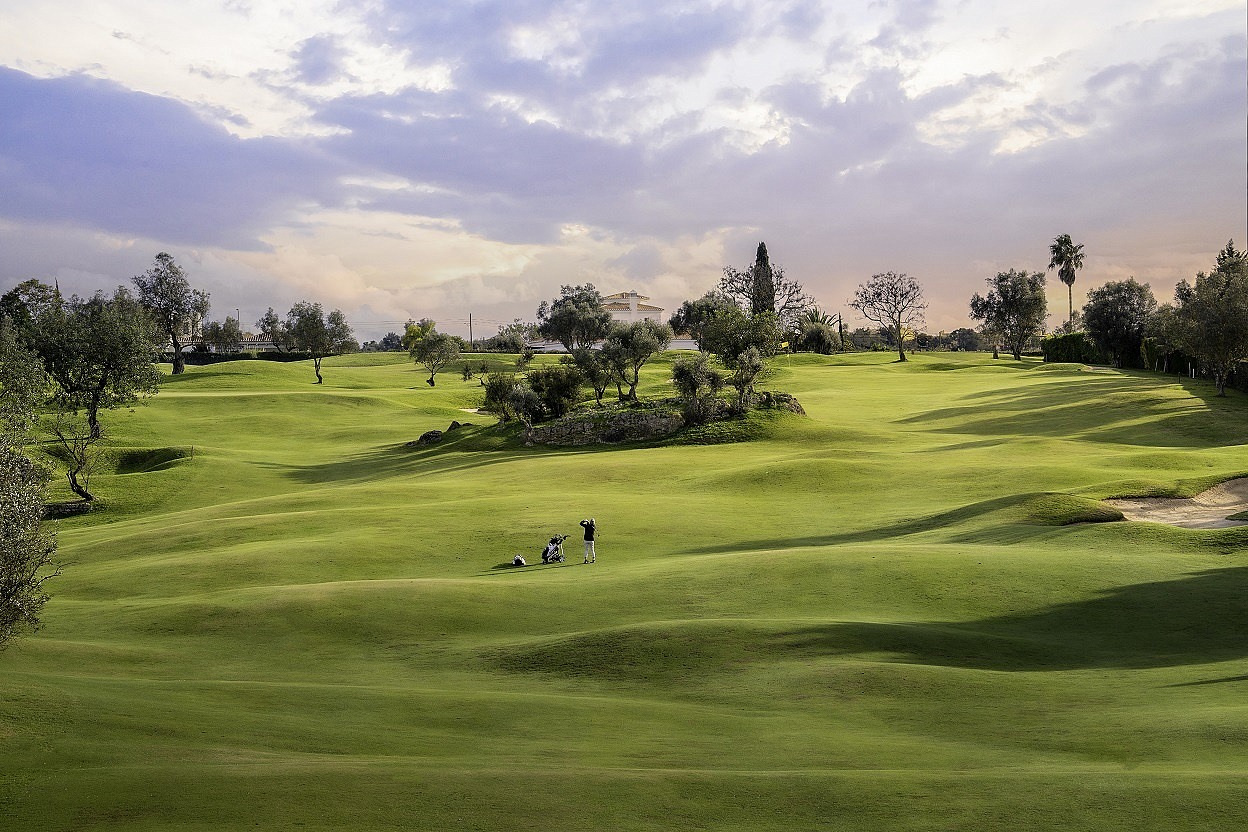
column 408, row 159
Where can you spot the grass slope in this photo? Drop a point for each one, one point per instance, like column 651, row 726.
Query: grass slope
column 893, row 614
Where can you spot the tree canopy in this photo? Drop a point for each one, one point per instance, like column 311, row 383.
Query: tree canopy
column 630, row 346
column 577, row 318
column 1014, row 308
column 1210, row 317
column 309, row 329
column 894, row 301
column 731, row 333
column 273, row 330
column 26, row 547
column 175, row 307
column 99, row 351
column 693, row 315
column 433, row 350
column 23, row 304
column 224, row 336
column 1116, row 315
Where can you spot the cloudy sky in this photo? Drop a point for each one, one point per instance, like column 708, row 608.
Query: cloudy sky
column 403, row 159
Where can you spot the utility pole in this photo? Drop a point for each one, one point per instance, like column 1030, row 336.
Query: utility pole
column 470, row 347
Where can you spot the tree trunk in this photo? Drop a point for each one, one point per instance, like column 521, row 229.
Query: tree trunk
column 1070, row 301
column 93, row 416
column 901, row 344
column 77, row 487
column 179, row 363
column 316, row 367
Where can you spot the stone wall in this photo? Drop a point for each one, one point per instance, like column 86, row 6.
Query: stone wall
column 617, row 427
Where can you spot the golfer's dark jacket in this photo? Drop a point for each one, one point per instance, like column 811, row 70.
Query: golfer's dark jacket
column 589, row 529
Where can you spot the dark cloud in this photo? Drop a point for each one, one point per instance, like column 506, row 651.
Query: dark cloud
column 503, row 176
column 621, row 44
column 82, row 151
column 318, row 60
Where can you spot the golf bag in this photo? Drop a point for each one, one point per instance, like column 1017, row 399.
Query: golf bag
column 553, row 553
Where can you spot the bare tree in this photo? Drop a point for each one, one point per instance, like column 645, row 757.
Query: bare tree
column 80, row 451
column 894, row 301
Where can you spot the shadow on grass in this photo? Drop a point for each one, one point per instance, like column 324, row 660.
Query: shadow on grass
column 1127, row 409
column 464, row 450
column 1198, row 619
column 906, row 527
column 1224, row 679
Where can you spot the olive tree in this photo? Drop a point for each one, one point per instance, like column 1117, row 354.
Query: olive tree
column 1211, row 316
column 273, row 329
column 732, row 332
column 1116, row 315
column 98, row 351
column 309, row 329
column 1014, row 308
column 26, row 546
column 629, row 346
column 693, row 315
column 595, row 370
column 893, row 301
column 698, row 384
column 746, row 369
column 577, row 318
column 433, row 351
column 24, row 303
column 226, row 336
column 175, row 307
column 558, row 388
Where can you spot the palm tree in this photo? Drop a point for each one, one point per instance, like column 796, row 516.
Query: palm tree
column 1067, row 258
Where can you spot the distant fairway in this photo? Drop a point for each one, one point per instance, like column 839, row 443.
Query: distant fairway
column 868, row 619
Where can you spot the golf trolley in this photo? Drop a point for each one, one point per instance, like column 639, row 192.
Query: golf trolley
column 553, row 553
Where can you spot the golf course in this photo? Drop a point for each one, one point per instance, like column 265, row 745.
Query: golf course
column 907, row 610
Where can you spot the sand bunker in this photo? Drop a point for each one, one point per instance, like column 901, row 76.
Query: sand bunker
column 1207, row 510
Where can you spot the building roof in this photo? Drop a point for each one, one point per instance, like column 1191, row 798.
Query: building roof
column 624, row 307
column 629, row 293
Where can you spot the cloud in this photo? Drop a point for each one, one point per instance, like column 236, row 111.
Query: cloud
column 532, row 143
column 88, row 152
column 318, row 60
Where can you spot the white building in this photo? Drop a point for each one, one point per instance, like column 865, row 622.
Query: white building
column 627, row 307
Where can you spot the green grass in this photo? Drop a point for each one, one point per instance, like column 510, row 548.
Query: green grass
column 907, row 611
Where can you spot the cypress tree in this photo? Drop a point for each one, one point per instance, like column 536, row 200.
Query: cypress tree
column 763, row 288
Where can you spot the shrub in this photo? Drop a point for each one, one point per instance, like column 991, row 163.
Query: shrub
column 498, row 391
column 558, row 388
column 1074, row 348
column 698, row 383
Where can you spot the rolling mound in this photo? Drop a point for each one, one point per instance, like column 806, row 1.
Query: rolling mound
column 894, row 614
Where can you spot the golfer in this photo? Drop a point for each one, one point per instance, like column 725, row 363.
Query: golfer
column 589, row 527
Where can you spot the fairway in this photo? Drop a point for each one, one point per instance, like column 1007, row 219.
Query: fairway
column 891, row 614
